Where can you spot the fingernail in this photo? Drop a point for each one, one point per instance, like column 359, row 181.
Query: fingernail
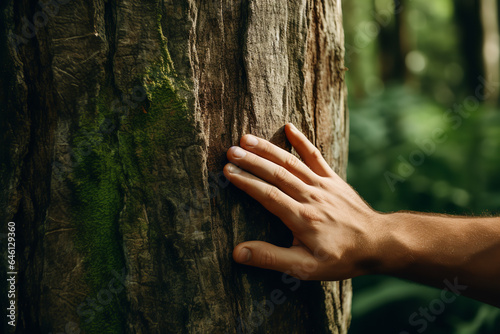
column 251, row 141
column 238, row 152
column 293, row 128
column 233, row 169
column 245, row 255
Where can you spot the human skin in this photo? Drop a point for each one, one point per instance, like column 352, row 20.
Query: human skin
column 337, row 235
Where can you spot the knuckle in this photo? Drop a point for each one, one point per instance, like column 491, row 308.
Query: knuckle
column 309, row 265
column 316, row 196
column 251, row 159
column 268, row 259
column 316, row 154
column 273, row 194
column 265, row 148
column 299, row 272
column 291, row 162
column 280, row 174
column 326, row 183
column 321, row 254
column 309, row 215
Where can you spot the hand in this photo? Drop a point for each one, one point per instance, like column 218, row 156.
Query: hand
column 329, row 221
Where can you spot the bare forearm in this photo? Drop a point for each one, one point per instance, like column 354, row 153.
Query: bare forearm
column 439, row 249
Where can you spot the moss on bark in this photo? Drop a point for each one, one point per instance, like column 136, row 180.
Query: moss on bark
column 97, row 180
column 116, row 152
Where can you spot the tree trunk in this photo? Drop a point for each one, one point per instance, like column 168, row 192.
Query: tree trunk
column 468, row 18
column 393, row 45
column 491, row 46
column 116, row 117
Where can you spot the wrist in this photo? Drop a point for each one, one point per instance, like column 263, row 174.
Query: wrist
column 385, row 250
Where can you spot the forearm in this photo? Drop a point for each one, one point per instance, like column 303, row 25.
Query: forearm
column 432, row 249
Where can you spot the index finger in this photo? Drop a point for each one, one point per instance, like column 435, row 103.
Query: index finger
column 272, row 198
column 279, row 156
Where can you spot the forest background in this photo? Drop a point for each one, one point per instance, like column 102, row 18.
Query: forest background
column 424, row 85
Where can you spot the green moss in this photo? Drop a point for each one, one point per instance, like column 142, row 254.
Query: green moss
column 146, row 135
column 98, row 200
column 120, row 162
column 146, row 138
column 167, row 60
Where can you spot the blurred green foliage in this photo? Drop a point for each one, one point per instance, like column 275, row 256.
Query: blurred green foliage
column 423, row 138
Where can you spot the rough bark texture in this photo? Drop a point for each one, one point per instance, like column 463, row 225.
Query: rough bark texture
column 115, row 119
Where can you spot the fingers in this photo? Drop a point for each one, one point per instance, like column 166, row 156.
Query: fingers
column 273, row 199
column 308, row 152
column 273, row 153
column 269, row 171
column 297, row 261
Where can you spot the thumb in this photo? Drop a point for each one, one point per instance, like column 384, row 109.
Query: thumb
column 296, row 260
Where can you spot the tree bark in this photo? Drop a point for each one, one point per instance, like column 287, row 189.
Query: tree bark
column 491, row 46
column 393, row 45
column 115, row 120
column 468, row 18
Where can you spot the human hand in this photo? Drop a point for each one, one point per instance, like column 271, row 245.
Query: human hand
column 329, row 220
